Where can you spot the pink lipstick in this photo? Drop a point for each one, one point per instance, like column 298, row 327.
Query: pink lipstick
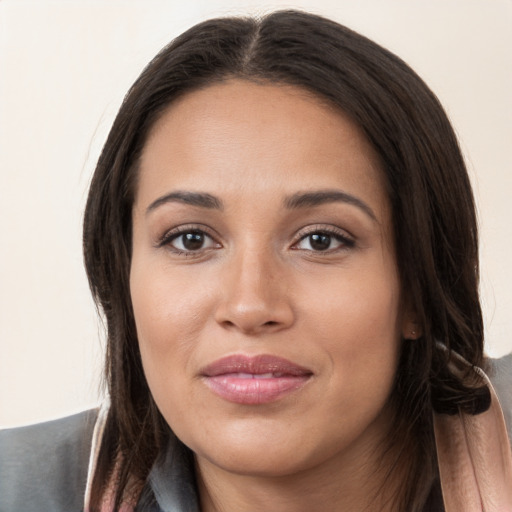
column 253, row 380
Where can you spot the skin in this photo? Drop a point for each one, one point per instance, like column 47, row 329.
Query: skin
column 257, row 284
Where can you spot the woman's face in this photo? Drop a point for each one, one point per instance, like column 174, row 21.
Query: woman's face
column 264, row 282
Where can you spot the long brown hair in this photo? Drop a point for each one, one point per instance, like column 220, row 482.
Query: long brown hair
column 433, row 218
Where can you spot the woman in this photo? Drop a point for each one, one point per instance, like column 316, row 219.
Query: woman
column 282, row 236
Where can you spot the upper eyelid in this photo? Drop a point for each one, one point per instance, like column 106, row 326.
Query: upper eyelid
column 323, row 228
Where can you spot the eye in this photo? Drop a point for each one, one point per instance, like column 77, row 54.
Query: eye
column 189, row 241
column 323, row 241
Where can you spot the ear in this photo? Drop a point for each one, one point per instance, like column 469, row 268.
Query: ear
column 411, row 328
column 411, row 331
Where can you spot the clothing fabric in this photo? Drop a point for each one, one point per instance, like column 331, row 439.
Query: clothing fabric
column 500, row 373
column 474, row 453
column 45, row 467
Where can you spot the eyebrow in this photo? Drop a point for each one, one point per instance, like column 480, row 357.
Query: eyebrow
column 200, row 199
column 319, row 197
column 295, row 201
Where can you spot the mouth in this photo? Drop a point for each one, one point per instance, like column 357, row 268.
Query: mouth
column 253, row 380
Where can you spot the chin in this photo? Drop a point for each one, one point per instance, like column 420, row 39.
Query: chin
column 263, row 449
column 250, row 462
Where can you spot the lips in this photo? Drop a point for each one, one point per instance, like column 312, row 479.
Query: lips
column 254, row 380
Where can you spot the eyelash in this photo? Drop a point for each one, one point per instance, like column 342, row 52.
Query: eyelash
column 346, row 242
column 174, row 234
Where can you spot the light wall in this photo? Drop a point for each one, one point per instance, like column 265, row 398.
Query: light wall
column 64, row 67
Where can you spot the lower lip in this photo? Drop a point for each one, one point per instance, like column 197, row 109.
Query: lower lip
column 254, row 391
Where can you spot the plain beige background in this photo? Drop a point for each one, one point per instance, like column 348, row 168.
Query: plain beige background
column 64, row 68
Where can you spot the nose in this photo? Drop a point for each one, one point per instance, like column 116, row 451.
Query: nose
column 255, row 295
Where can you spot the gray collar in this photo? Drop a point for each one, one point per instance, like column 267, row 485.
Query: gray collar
column 172, row 479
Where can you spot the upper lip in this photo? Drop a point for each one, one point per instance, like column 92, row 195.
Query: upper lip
column 257, row 365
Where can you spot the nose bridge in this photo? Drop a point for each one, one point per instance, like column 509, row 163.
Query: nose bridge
column 252, row 266
column 254, row 296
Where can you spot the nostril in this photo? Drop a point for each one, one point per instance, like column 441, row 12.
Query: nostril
column 229, row 324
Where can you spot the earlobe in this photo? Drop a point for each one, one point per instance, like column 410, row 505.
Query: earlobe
column 411, row 330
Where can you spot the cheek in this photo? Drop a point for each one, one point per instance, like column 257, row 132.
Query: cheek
column 168, row 308
column 169, row 315
column 167, row 322
column 360, row 302
column 358, row 325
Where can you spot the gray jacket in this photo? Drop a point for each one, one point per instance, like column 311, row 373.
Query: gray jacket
column 43, row 468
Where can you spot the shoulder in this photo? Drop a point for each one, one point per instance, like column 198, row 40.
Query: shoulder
column 500, row 373
column 44, row 466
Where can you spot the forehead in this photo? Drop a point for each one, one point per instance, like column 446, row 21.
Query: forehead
column 238, row 135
